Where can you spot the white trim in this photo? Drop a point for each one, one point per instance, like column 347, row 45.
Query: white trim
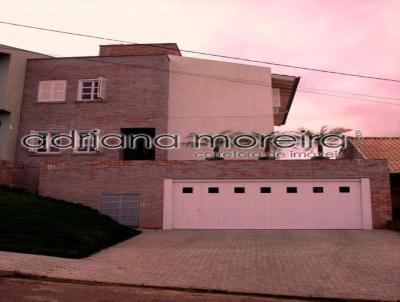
column 264, row 179
column 366, row 205
column 168, row 209
column 102, row 88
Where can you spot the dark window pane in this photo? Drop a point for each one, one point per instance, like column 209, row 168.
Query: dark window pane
column 187, row 190
column 86, row 96
column 86, row 90
column 139, row 150
column 239, row 190
column 87, row 84
column 265, row 190
column 213, row 190
column 318, row 189
column 344, row 189
column 291, row 190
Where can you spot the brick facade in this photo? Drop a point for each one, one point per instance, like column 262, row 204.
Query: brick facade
column 136, row 98
column 17, row 175
column 85, row 181
column 139, row 49
column 7, row 173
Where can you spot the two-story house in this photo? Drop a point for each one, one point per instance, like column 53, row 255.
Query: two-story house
column 153, row 90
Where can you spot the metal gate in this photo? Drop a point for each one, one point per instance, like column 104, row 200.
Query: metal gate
column 123, row 208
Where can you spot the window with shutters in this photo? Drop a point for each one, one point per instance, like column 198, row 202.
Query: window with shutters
column 52, row 91
column 92, row 89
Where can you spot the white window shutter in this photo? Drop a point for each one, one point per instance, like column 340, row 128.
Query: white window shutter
column 102, row 88
column 35, row 141
column 99, row 147
column 58, row 90
column 44, row 93
column 52, row 91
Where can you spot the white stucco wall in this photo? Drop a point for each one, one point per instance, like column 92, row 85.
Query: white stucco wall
column 205, row 97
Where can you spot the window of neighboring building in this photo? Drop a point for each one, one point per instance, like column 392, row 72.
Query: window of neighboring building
column 92, row 89
column 291, row 190
column 86, row 142
column 44, row 142
column 52, row 91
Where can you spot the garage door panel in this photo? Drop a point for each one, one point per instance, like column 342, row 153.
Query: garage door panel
column 276, row 209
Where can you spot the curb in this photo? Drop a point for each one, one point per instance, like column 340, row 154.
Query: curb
column 27, row 276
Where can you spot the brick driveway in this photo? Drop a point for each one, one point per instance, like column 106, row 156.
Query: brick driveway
column 341, row 264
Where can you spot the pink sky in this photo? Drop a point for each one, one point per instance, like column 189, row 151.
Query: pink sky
column 351, row 36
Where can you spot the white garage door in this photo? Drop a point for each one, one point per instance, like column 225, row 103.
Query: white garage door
column 267, row 204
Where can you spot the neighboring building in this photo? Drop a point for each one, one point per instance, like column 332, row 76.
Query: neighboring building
column 380, row 148
column 152, row 89
column 12, row 76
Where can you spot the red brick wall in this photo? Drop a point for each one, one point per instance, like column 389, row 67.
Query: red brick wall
column 17, row 175
column 139, row 49
column 7, row 173
column 85, row 181
column 136, row 98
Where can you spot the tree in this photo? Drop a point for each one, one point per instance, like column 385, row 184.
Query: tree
column 319, row 135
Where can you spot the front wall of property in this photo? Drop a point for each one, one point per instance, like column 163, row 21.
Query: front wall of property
column 136, row 97
column 86, row 181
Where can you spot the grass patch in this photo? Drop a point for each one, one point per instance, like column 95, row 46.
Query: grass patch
column 35, row 224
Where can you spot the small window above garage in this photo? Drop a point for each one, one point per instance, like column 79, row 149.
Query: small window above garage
column 239, row 190
column 291, row 190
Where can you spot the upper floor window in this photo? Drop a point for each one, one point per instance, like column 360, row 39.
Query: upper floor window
column 52, row 91
column 92, row 89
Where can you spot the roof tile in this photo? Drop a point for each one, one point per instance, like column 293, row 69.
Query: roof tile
column 380, row 148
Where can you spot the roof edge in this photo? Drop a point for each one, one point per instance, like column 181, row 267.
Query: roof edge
column 291, row 98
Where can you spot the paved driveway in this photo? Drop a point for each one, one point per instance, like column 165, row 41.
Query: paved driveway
column 341, row 264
